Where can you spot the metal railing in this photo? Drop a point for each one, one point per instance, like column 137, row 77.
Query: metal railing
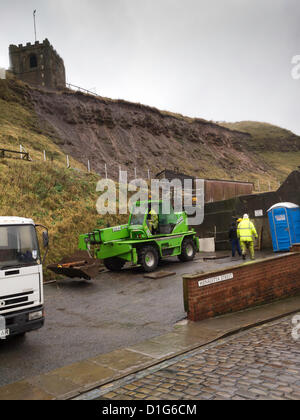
column 80, row 89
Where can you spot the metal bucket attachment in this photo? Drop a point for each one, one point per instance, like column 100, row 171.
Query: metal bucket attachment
column 79, row 265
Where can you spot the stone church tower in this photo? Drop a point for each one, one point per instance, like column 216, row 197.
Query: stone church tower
column 38, row 64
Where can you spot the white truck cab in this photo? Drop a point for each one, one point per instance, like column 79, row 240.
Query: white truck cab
column 21, row 277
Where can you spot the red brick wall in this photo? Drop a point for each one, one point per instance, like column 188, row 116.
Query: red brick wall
column 252, row 284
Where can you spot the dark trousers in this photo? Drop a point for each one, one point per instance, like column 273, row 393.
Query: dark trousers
column 235, row 244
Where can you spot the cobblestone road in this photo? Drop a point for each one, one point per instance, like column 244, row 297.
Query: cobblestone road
column 262, row 363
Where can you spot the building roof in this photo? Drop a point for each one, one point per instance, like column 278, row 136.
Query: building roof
column 181, row 175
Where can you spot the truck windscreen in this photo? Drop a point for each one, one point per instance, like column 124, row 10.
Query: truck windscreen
column 18, row 246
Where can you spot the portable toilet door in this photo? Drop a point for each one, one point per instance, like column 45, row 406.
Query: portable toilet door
column 294, row 217
column 284, row 221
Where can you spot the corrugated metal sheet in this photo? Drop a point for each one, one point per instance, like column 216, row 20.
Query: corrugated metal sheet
column 215, row 189
column 219, row 190
column 218, row 216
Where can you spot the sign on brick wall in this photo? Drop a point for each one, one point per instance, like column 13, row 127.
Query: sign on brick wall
column 241, row 287
column 214, row 280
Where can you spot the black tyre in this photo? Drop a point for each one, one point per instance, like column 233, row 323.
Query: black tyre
column 148, row 258
column 114, row 264
column 188, row 250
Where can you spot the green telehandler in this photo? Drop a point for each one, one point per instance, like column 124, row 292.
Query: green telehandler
column 135, row 242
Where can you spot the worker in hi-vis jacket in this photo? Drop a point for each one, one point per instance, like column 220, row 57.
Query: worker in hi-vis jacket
column 246, row 231
column 153, row 221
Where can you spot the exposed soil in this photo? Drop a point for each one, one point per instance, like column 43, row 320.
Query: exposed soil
column 137, row 136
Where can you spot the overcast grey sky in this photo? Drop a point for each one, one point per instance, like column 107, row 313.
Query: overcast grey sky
column 214, row 59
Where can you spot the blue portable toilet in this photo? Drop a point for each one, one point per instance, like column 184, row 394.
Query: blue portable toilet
column 284, row 221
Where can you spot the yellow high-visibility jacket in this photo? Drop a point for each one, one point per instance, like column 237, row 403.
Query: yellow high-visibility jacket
column 246, row 230
column 154, row 219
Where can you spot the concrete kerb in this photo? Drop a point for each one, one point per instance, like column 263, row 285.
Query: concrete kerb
column 228, row 333
column 83, row 377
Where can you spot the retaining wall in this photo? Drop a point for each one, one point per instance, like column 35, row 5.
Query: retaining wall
column 241, row 287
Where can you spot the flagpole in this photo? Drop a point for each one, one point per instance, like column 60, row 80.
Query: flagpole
column 34, row 12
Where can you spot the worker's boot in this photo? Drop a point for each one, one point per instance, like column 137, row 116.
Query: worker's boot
column 244, row 257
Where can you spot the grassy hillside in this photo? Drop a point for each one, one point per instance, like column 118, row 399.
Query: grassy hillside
column 19, row 125
column 65, row 199
column 262, row 133
column 62, row 199
column 279, row 148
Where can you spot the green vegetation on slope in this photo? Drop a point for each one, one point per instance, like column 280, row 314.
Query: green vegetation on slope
column 65, row 199
column 20, row 126
column 62, row 199
column 277, row 147
column 262, row 133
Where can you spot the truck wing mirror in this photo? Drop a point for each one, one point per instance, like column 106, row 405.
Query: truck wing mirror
column 45, row 239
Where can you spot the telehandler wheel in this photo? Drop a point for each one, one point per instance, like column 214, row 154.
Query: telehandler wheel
column 188, row 250
column 114, row 264
column 148, row 258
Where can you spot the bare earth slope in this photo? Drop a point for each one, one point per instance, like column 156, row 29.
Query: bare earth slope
column 136, row 136
column 116, row 133
column 119, row 133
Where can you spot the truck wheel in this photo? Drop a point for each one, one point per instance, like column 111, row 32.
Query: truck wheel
column 114, row 264
column 148, row 258
column 188, row 250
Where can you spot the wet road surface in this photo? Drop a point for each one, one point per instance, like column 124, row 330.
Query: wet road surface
column 84, row 319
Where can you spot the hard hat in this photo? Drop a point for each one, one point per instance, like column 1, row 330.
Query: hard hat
column 246, row 216
column 239, row 220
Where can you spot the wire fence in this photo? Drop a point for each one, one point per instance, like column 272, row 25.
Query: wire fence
column 259, row 187
column 123, row 175
column 109, row 172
